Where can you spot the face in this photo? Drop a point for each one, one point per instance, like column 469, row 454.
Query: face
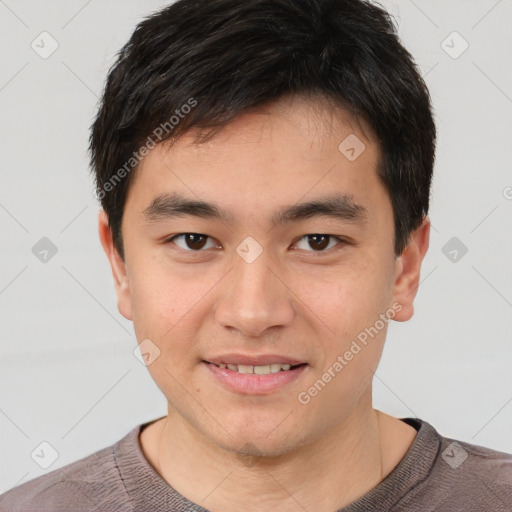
column 264, row 250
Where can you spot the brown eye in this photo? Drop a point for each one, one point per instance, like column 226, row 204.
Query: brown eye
column 318, row 242
column 191, row 242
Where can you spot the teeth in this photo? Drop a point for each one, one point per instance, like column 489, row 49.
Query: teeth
column 258, row 370
column 262, row 370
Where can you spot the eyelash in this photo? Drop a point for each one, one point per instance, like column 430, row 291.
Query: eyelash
column 342, row 241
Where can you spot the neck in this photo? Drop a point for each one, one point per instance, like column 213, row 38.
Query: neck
column 327, row 474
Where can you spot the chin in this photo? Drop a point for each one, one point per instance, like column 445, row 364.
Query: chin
column 259, row 439
column 247, row 447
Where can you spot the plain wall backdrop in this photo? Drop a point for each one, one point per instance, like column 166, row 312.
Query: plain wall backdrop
column 68, row 373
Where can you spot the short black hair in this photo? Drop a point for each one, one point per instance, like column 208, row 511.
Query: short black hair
column 200, row 63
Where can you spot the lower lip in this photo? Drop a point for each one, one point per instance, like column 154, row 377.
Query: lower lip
column 252, row 384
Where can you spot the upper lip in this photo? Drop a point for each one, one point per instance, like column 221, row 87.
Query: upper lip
column 254, row 360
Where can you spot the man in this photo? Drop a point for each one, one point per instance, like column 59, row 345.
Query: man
column 264, row 172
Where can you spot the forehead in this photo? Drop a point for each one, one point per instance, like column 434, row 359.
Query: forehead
column 276, row 154
column 308, row 124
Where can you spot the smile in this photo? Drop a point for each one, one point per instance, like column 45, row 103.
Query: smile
column 254, row 379
column 258, row 370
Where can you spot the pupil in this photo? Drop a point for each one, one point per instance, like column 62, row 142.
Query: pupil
column 319, row 245
column 193, row 241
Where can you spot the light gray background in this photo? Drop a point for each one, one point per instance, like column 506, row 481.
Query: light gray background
column 68, row 373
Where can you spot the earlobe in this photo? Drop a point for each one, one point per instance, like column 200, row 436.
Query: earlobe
column 117, row 265
column 407, row 271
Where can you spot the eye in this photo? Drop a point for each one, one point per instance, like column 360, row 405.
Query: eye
column 192, row 242
column 319, row 242
column 195, row 242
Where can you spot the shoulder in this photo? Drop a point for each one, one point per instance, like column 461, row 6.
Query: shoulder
column 462, row 461
column 467, row 477
column 84, row 485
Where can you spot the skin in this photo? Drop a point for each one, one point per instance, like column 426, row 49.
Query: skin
column 292, row 300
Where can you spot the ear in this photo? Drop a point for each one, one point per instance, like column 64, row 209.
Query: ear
column 407, row 270
column 117, row 265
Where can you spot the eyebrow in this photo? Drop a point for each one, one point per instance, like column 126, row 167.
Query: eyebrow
column 339, row 206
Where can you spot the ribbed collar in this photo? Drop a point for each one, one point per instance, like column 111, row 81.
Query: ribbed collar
column 148, row 491
column 412, row 469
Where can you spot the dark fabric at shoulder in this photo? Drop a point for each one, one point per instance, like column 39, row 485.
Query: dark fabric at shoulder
column 439, row 474
column 117, row 478
column 146, row 488
column 464, row 477
column 92, row 483
column 414, row 467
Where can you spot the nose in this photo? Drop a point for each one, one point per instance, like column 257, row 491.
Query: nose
column 254, row 297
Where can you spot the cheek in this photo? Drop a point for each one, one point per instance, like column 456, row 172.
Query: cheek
column 160, row 315
column 347, row 307
column 169, row 308
column 347, row 299
column 165, row 310
column 351, row 356
column 161, row 297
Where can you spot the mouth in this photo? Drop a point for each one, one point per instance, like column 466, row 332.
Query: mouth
column 259, row 369
column 263, row 377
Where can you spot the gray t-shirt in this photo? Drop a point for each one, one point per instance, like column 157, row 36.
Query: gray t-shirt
column 436, row 474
